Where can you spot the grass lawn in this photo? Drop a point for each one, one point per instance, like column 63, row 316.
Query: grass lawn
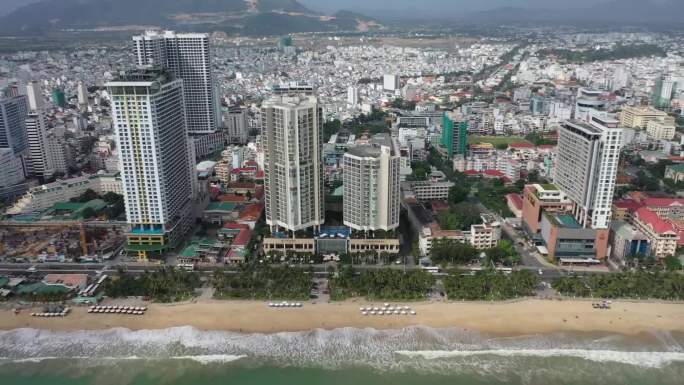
column 495, row 140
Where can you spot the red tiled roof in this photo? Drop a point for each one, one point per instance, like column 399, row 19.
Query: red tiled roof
column 628, row 204
column 658, row 224
column 546, row 146
column 439, row 206
column 69, row 280
column 232, row 198
column 662, row 202
column 516, row 200
column 471, row 172
column 251, row 212
column 243, row 237
column 235, row 226
column 495, row 173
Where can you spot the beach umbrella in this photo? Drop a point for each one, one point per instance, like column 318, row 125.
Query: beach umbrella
column 396, row 312
column 413, row 312
column 362, row 308
column 372, row 313
column 403, row 312
column 381, row 313
column 364, row 313
column 386, row 305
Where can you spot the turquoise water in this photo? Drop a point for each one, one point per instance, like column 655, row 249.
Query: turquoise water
column 345, row 356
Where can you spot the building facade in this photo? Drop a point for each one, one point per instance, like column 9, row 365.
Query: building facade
column 454, row 134
column 586, row 166
column 13, row 112
column 292, row 143
column 188, row 57
column 371, row 187
column 237, row 128
column 154, row 158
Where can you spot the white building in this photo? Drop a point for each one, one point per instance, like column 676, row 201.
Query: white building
column 188, row 57
column 353, row 96
column 660, row 130
column 391, row 82
column 371, row 186
column 154, row 157
column 11, row 174
column 13, row 111
column 45, row 196
column 586, row 166
column 293, row 181
column 39, row 162
column 237, row 128
column 82, row 94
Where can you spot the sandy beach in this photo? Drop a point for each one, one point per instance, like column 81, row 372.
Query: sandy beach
column 511, row 318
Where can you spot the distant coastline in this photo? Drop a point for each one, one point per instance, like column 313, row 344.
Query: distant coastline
column 513, row 318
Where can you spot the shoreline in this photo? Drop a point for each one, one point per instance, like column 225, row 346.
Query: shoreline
column 511, row 318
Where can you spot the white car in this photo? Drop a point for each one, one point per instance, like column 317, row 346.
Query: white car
column 32, row 269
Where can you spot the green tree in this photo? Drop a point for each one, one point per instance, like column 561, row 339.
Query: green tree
column 672, row 263
column 459, row 217
column 88, row 213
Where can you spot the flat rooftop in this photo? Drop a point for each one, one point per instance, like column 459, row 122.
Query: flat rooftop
column 568, row 221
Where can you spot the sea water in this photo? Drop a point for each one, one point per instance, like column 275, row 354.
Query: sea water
column 417, row 355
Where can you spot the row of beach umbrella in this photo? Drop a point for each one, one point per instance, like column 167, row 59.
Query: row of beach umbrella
column 387, row 309
column 63, row 313
column 285, row 304
column 136, row 310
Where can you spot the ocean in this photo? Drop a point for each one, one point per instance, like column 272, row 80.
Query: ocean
column 417, row 355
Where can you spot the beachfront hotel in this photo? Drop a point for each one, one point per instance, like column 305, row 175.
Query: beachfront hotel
column 293, row 181
column 149, row 118
column 371, row 186
column 586, row 168
column 188, row 57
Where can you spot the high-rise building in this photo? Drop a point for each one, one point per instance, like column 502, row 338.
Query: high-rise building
column 353, row 96
column 35, row 97
column 371, row 185
column 588, row 102
column 454, row 133
column 13, row 112
column 586, row 166
column 665, row 89
column 391, row 82
column 11, row 175
column 154, row 158
column 82, row 94
column 293, row 179
column 188, row 57
column 39, row 162
column 58, row 97
column 237, row 128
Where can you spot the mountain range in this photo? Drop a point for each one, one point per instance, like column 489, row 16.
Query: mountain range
column 260, row 17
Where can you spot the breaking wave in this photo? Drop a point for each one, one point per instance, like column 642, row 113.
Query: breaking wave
column 416, row 348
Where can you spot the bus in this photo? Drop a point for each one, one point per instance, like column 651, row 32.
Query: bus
column 186, row 266
column 431, row 269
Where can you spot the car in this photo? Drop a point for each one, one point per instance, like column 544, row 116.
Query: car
column 540, row 271
column 32, row 269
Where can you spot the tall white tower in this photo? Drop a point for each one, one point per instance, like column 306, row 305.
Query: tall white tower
column 154, row 158
column 293, row 181
column 586, row 166
column 371, row 186
column 353, row 96
column 188, row 57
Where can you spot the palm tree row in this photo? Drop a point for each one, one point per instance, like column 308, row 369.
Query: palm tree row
column 637, row 284
column 490, row 285
column 385, row 284
column 263, row 282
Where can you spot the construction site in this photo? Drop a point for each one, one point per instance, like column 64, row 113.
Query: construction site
column 59, row 242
